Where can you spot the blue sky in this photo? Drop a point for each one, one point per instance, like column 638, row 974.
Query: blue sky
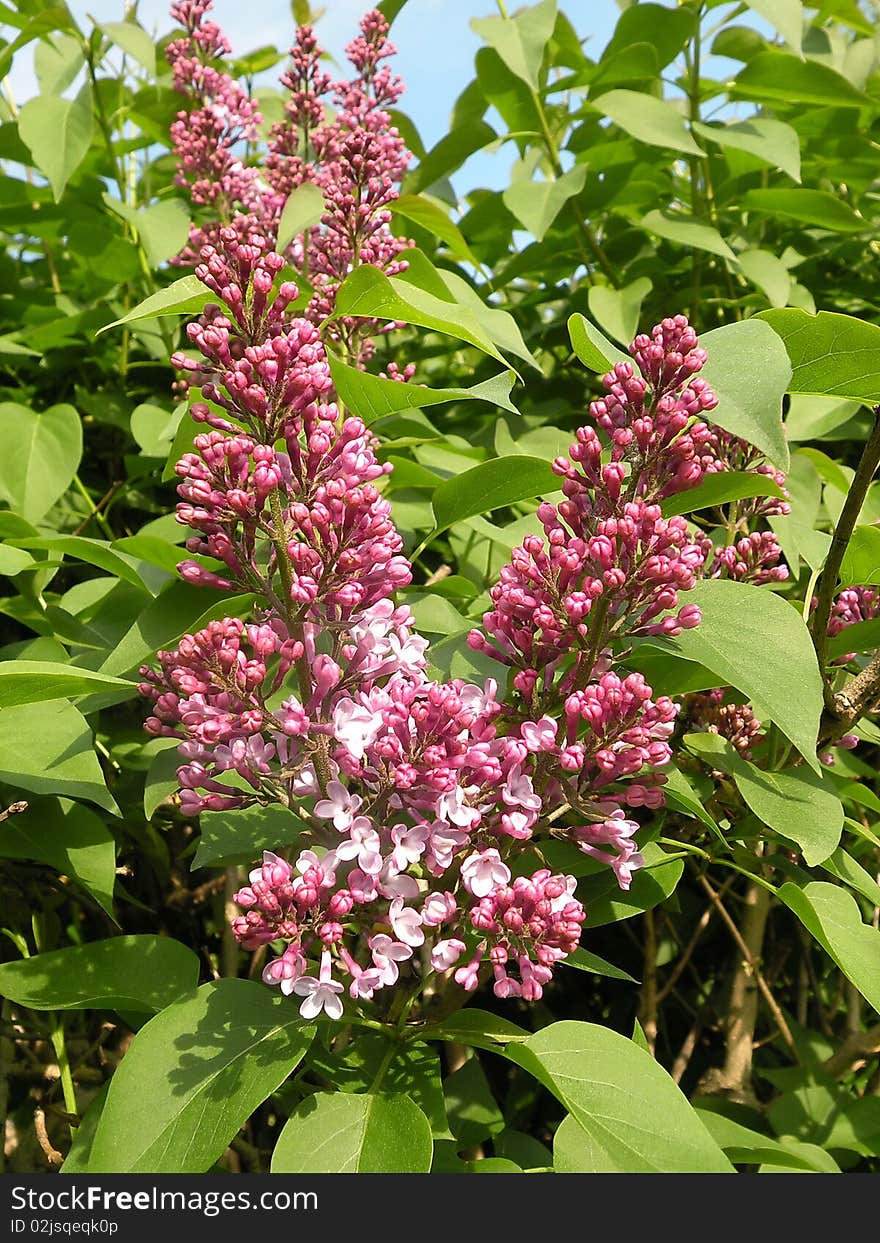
column 435, row 50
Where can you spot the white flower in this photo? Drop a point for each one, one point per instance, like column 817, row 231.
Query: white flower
column 339, row 806
column 406, row 923
column 364, row 845
column 483, row 872
column 446, row 954
column 355, row 726
column 320, row 994
column 387, row 954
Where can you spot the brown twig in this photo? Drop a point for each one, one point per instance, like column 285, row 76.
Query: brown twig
column 752, row 964
column 51, row 1153
column 854, row 1052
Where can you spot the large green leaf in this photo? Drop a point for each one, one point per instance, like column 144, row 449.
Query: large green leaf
column 592, row 348
column 796, row 802
column 631, row 1116
column 47, row 748
column 69, row 838
column 125, row 973
column 37, row 681
column 370, row 293
column 162, row 228
column 133, row 40
column 830, row 353
column 339, row 1133
column 41, row 454
column 754, row 410
column 491, row 485
column 536, row 204
column 768, row 273
column 861, row 561
column 93, row 551
column 687, row 231
column 186, row 296
column 780, row 77
column 520, row 40
column 428, row 215
column 303, row 209
column 58, row 134
column 193, row 1075
column 758, row 643
column 181, row 608
column 771, row 141
column 371, row 397
column 654, row 121
column 242, row 835
column 720, row 489
column 618, row 310
column 832, row 916
column 818, row 207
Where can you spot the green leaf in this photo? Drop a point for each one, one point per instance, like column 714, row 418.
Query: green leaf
column 428, row 215
column 370, row 293
column 162, row 228
column 618, row 311
column 41, row 454
column 477, row 1029
column 58, row 134
column 47, row 748
column 69, row 838
column 337, row 1133
column 520, row 40
column 720, row 489
column 779, row 76
column 125, row 973
column 161, row 781
column 842, row 865
column 830, row 353
column 93, row 551
column 193, row 1075
column 796, row 802
column 832, row 917
column 181, row 608
column 413, row 1071
column 653, row 121
column 746, row 1146
column 243, row 835
column 57, row 61
column 752, row 411
column 771, row 141
column 134, row 40
column 449, row 154
column 491, row 485
column 536, row 204
column 817, row 207
column 680, row 794
column 862, row 637
column 373, row 397
column 302, row 210
column 767, row 272
column 786, row 16
column 37, row 681
column 687, row 231
column 585, row 961
column 594, row 350
column 186, row 296
column 470, row 1106
column 628, row 1115
column 758, row 643
column 861, row 561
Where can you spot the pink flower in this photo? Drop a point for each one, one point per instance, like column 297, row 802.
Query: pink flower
column 355, row 726
column 321, row 993
column 406, row 923
column 483, row 872
column 387, row 954
column 446, row 954
column 339, row 806
column 364, row 845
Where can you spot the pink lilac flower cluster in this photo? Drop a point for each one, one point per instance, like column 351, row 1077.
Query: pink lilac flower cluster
column 417, row 803
column 356, row 158
column 210, row 138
